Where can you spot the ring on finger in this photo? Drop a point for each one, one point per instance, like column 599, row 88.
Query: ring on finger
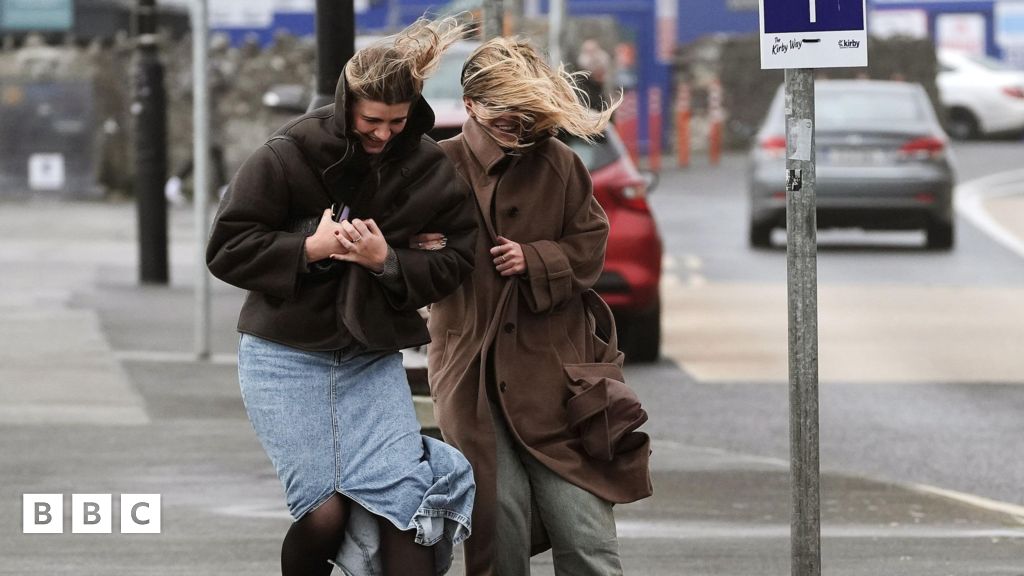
column 357, row 238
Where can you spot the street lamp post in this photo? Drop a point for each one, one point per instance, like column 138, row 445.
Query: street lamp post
column 149, row 106
column 335, row 45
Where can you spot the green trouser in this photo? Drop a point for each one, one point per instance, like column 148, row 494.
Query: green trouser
column 580, row 525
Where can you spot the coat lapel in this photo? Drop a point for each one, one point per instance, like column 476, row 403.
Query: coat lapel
column 488, row 158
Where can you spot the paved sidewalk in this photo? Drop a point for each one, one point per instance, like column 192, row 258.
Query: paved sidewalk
column 99, row 395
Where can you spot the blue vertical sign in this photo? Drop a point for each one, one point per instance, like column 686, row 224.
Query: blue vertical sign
column 813, row 33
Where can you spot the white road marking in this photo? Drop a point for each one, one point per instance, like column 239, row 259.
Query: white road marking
column 970, row 203
column 693, row 262
column 977, row 501
column 683, row 530
column 668, row 262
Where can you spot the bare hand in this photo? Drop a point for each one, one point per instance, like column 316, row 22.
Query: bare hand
column 323, row 243
column 508, row 257
column 364, row 244
column 428, row 241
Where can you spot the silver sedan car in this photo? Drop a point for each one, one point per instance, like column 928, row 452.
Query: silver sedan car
column 882, row 162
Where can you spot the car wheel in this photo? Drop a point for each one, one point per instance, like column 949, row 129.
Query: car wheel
column 940, row 235
column 963, row 125
column 640, row 335
column 760, row 235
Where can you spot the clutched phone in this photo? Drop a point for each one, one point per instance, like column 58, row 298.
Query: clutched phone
column 339, row 212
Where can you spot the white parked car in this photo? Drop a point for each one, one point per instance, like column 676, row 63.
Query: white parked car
column 982, row 95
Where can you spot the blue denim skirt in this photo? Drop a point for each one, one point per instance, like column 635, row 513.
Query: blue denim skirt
column 344, row 422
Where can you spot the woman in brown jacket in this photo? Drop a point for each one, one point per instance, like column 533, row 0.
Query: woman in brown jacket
column 501, row 342
column 333, row 297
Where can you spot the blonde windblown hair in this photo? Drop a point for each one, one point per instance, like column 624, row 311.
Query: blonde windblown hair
column 508, row 75
column 392, row 69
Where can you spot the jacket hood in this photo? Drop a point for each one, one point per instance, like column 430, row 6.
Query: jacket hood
column 421, row 115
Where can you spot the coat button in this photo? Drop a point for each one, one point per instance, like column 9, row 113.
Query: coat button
column 509, row 328
column 512, row 212
column 502, row 386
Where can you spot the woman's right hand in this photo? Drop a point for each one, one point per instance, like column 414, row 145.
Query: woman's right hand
column 324, row 242
column 428, row 241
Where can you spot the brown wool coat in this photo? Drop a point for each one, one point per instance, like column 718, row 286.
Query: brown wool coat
column 532, row 325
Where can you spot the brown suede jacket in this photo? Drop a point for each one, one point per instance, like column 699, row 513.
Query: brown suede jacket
column 307, row 166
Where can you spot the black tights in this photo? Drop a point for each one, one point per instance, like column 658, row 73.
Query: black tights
column 316, row 538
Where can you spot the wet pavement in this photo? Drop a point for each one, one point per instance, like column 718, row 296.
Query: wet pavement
column 101, row 395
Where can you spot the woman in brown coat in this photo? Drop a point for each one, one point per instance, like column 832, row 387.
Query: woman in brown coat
column 500, row 344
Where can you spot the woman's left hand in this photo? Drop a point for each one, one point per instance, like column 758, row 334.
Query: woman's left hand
column 508, row 257
column 365, row 244
column 428, row 241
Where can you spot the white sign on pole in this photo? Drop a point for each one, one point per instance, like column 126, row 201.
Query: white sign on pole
column 46, row 172
column 299, row 6
column 964, row 32
column 912, row 23
column 667, row 12
column 248, row 14
column 813, row 34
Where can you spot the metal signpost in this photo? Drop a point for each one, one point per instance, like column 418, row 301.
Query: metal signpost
column 556, row 31
column 201, row 157
column 494, row 18
column 799, row 35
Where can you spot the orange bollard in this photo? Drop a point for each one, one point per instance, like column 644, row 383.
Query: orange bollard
column 715, row 117
column 683, row 126
column 654, row 129
column 627, row 123
column 715, row 142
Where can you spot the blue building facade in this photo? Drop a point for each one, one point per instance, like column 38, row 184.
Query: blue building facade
column 998, row 25
column 637, row 20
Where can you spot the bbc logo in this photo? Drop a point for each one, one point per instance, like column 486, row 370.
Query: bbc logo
column 90, row 513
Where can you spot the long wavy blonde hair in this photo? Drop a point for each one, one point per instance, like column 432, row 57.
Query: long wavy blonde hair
column 508, row 75
column 392, row 70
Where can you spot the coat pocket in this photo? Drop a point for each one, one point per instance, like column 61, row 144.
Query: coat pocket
column 604, row 410
column 451, row 340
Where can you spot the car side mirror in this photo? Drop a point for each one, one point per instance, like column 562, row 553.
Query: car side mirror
column 651, row 179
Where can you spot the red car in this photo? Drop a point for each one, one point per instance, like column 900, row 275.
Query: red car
column 632, row 267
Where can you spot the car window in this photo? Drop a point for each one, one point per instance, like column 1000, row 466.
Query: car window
column 597, row 155
column 855, row 107
column 988, row 63
column 846, row 107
